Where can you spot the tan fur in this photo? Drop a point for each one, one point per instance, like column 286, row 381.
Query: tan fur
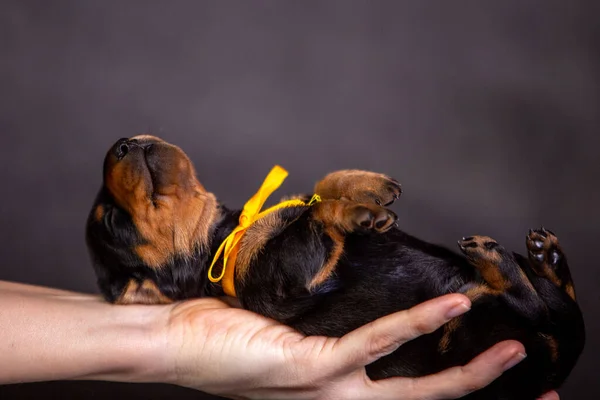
column 146, row 293
column 174, row 218
column 570, row 290
column 474, row 294
column 327, row 270
column 487, row 262
column 492, row 275
column 358, row 186
column 175, row 230
column 449, row 329
column 334, row 213
column 293, row 197
column 99, row 213
column 346, row 215
column 547, row 271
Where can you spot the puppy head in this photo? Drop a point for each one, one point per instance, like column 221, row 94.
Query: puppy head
column 151, row 208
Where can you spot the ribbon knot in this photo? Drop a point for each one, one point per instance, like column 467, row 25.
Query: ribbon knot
column 250, row 214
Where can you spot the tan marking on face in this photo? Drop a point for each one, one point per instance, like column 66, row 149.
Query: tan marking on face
column 329, row 267
column 128, row 182
column 176, row 230
column 146, row 293
column 99, row 213
column 170, row 209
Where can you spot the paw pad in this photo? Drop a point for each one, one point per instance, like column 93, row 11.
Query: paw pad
column 479, row 246
column 374, row 218
column 543, row 247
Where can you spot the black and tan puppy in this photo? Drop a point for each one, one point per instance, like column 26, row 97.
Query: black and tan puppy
column 332, row 266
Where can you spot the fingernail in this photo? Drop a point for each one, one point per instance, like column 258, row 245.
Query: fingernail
column 457, row 310
column 517, row 358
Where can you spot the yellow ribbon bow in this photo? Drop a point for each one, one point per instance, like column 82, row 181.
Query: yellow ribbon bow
column 250, row 214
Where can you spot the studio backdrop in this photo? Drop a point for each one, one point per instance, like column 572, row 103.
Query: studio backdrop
column 487, row 112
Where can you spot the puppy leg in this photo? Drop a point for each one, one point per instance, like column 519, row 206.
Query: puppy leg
column 503, row 280
column 503, row 277
column 337, row 218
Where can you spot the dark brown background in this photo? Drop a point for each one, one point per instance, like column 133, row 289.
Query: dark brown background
column 486, row 111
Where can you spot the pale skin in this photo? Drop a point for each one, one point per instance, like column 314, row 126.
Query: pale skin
column 49, row 334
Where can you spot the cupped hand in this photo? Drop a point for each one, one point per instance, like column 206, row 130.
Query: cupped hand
column 236, row 353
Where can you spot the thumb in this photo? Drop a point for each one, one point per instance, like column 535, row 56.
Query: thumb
column 384, row 335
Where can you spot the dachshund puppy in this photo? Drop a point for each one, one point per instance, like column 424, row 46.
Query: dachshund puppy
column 328, row 267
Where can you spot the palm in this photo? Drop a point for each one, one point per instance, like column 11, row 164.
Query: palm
column 239, row 354
column 233, row 339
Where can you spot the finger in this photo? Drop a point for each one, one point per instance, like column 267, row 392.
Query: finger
column 457, row 381
column 550, row 396
column 384, row 335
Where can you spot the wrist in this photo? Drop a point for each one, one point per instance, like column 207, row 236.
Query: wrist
column 134, row 345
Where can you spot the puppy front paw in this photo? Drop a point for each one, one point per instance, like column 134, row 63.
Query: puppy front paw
column 370, row 217
column 360, row 187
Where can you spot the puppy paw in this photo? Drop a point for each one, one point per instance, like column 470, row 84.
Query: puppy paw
column 480, row 248
column 370, row 217
column 360, row 187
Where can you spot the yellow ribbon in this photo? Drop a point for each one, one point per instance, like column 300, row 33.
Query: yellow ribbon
column 250, row 214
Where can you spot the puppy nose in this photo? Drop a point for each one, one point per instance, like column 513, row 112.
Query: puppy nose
column 122, row 148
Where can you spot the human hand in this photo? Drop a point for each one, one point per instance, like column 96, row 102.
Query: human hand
column 238, row 354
